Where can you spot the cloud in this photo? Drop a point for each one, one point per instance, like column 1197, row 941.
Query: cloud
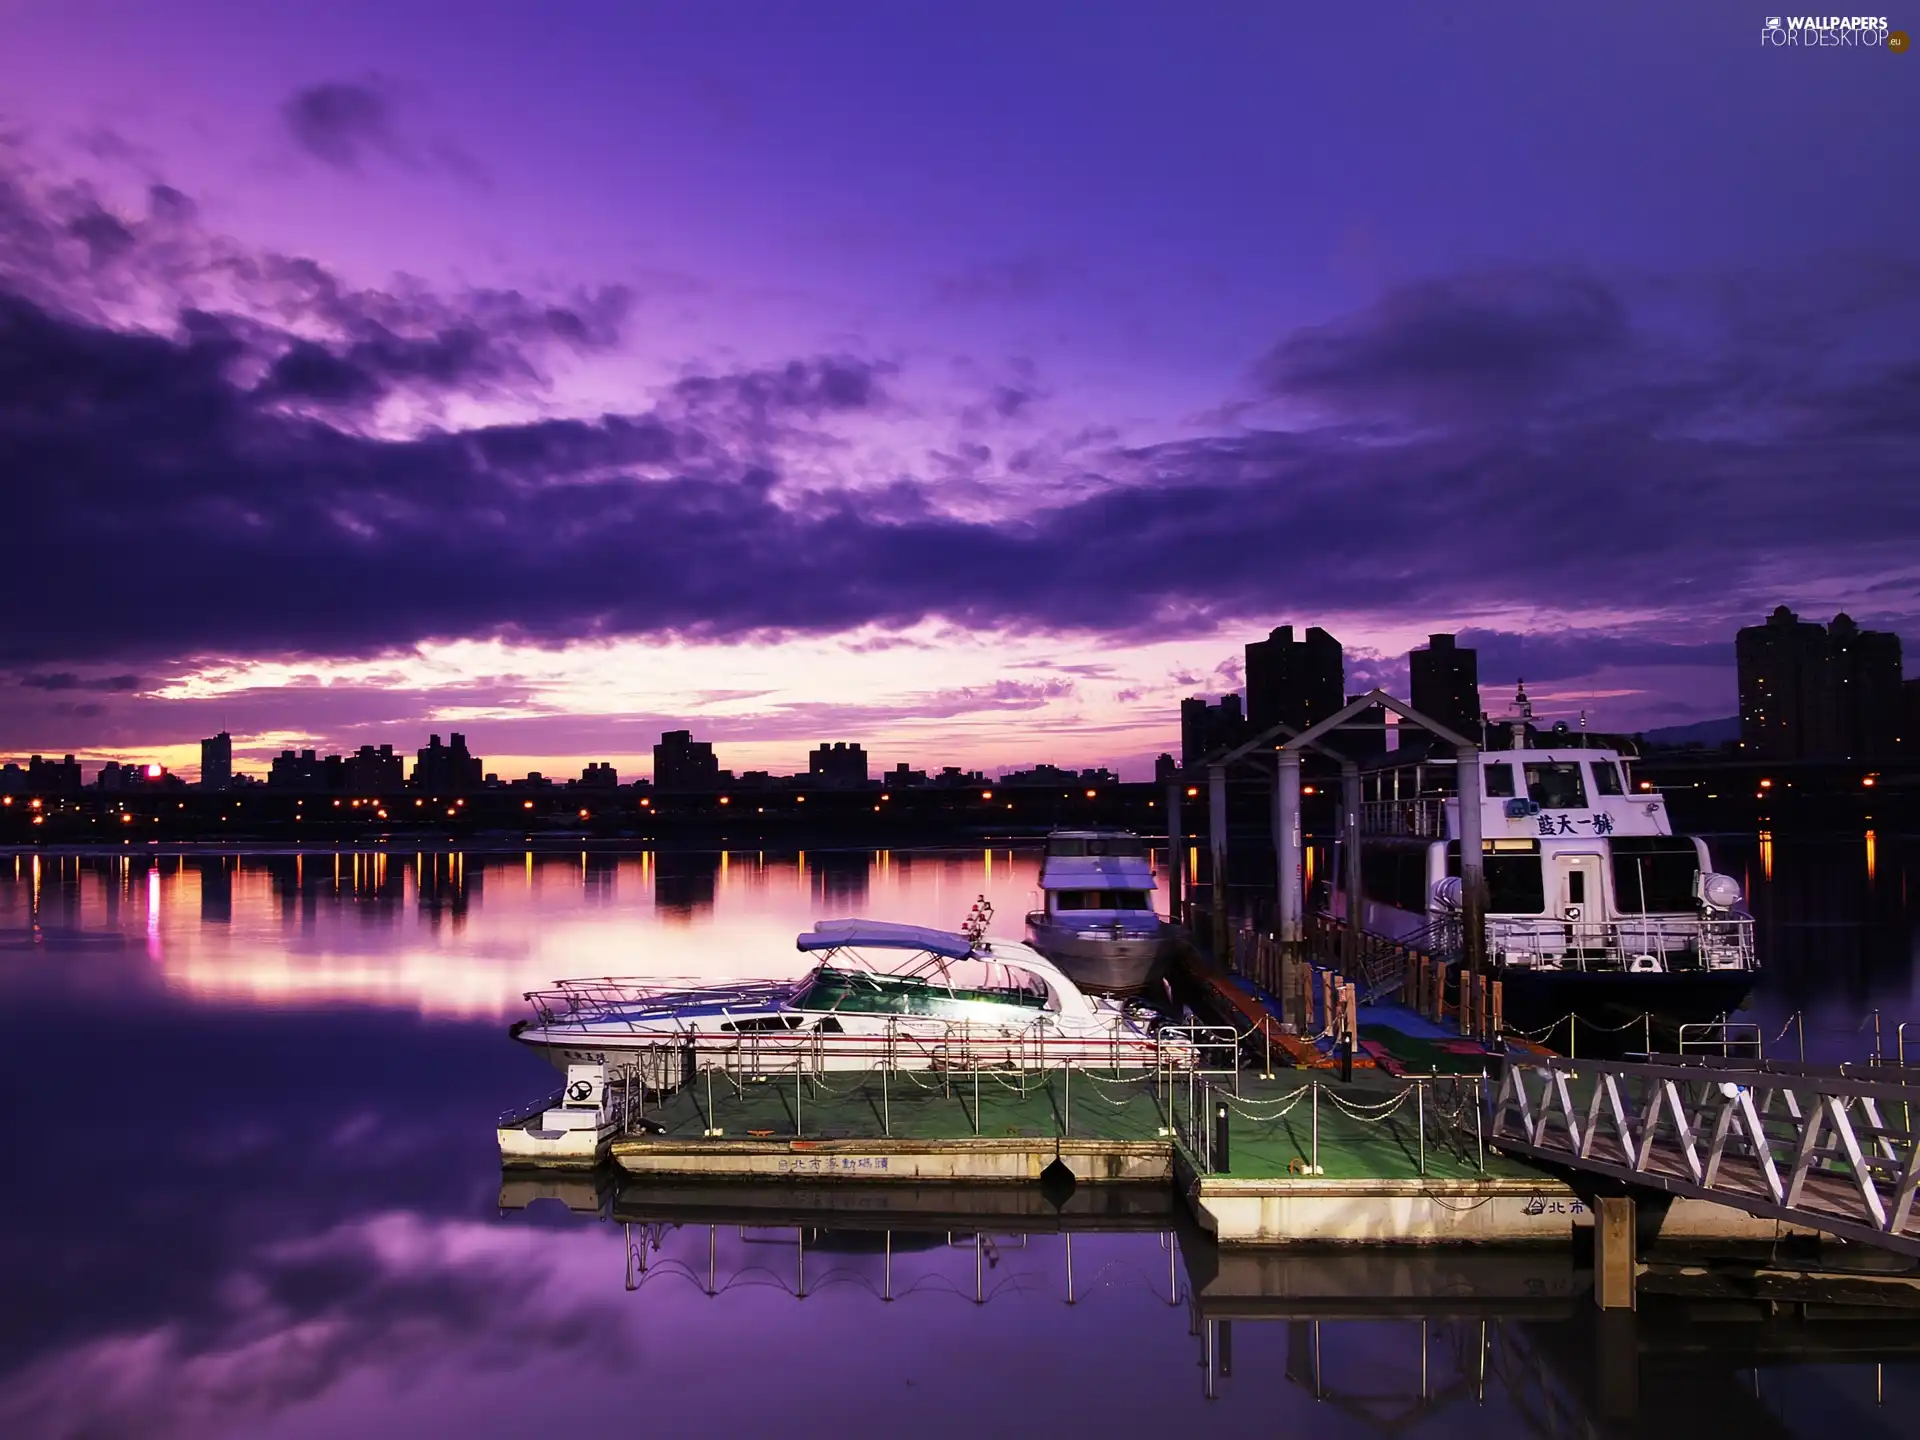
column 341, row 123
column 1460, row 348
column 1527, row 443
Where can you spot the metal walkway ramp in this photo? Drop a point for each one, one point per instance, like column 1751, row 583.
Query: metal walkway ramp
column 1829, row 1149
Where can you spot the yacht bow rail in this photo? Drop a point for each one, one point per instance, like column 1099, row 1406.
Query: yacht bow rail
column 1808, row 1145
column 613, row 999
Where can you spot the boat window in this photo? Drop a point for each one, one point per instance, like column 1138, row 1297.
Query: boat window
column 1394, row 876
column 1514, row 883
column 1102, row 900
column 1498, row 779
column 1120, row 846
column 1556, row 785
column 1654, row 874
column 1606, row 778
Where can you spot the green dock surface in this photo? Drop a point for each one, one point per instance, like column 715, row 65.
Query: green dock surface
column 1368, row 1129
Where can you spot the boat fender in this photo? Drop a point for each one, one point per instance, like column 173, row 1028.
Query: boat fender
column 1057, row 1183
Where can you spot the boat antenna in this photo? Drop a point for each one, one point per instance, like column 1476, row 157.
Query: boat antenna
column 974, row 927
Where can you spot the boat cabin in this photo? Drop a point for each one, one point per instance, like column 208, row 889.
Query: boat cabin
column 1096, row 877
column 1581, row 863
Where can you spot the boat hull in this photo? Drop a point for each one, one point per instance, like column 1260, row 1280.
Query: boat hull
column 1610, row 1004
column 1104, row 966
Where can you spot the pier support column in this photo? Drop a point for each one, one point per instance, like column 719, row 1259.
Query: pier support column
column 1613, row 1253
column 1473, row 872
column 1350, row 846
column 1176, row 853
column 1286, row 850
column 1217, row 845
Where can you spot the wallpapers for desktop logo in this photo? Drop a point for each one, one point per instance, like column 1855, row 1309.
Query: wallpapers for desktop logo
column 1861, row 32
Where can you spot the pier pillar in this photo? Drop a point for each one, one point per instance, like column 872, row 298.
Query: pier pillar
column 1473, row 873
column 1217, row 846
column 1613, row 1253
column 1286, row 851
column 1350, row 844
column 1176, row 853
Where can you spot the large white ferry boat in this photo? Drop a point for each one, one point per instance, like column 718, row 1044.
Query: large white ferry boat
column 1097, row 921
column 883, row 995
column 1595, row 906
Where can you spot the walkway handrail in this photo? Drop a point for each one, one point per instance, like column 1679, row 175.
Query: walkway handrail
column 1804, row 1144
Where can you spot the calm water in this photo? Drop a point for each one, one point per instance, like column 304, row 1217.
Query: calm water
column 253, row 1189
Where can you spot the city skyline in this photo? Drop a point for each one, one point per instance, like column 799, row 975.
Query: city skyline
column 353, row 405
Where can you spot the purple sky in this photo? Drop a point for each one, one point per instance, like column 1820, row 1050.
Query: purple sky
column 970, row 381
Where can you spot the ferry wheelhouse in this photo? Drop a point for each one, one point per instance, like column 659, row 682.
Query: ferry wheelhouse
column 1594, row 905
column 1097, row 921
column 899, row 996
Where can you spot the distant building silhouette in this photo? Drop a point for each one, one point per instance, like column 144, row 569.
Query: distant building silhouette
column 1165, row 767
column 53, row 777
column 1866, row 681
column 1054, row 775
column 1206, row 728
column 681, row 762
column 1294, row 682
column 446, row 769
column 1368, row 735
column 839, row 765
column 901, row 777
column 1445, row 681
column 216, row 762
column 1813, row 692
column 599, row 775
column 298, row 770
column 374, row 772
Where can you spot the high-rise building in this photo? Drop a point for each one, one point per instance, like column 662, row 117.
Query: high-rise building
column 599, row 775
column 216, row 761
column 1866, row 683
column 681, row 762
column 1813, row 692
column 1446, row 684
column 53, row 777
column 1206, row 728
column 1364, row 736
column 1294, row 682
column 446, row 769
column 839, row 765
column 372, row 772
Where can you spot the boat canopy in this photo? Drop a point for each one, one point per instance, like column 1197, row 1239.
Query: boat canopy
column 884, row 935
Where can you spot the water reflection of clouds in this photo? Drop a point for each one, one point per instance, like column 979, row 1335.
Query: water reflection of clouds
column 465, row 935
column 336, row 1322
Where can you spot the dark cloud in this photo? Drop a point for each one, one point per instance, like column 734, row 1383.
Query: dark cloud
column 341, row 123
column 1460, row 348
column 1517, row 441
column 68, row 680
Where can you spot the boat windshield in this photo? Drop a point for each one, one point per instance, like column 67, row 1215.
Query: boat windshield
column 857, row 992
column 1556, row 785
column 1121, row 846
column 1102, row 900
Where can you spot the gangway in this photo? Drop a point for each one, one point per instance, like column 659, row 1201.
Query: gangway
column 1828, row 1148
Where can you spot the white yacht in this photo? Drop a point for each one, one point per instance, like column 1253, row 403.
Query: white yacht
column 1098, row 923
column 899, row 996
column 1595, row 906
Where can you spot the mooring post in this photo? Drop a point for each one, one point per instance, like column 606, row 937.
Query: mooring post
column 1217, row 853
column 1613, row 1258
column 1222, row 1163
column 1473, row 872
column 1286, row 852
column 1350, row 838
column 1176, row 855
